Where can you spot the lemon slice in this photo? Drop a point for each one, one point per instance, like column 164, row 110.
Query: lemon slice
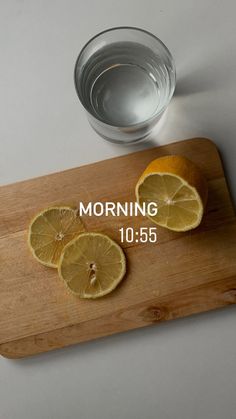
column 50, row 231
column 178, row 188
column 92, row 265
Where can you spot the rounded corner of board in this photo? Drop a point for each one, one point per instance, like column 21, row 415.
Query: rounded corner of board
column 209, row 142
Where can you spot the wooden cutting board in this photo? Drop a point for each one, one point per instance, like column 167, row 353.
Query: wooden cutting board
column 181, row 274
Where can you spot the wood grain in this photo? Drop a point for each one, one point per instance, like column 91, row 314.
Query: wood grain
column 182, row 274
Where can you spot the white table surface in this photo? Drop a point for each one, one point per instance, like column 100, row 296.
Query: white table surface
column 185, row 369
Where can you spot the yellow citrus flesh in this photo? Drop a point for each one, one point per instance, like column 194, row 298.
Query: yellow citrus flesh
column 50, row 231
column 178, row 188
column 92, row 265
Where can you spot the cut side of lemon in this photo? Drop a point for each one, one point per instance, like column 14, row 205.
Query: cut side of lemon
column 49, row 232
column 92, row 265
column 178, row 188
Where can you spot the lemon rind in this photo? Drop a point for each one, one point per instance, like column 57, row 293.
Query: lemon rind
column 185, row 183
column 39, row 214
column 114, row 284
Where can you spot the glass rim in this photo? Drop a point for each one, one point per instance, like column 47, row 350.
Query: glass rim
column 135, row 29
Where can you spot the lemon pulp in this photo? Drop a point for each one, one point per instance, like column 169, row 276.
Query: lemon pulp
column 92, row 265
column 178, row 188
column 50, row 231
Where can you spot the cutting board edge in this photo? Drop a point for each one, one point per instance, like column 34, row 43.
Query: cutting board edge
column 11, row 352
column 207, row 297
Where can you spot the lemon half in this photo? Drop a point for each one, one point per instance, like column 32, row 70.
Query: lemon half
column 179, row 189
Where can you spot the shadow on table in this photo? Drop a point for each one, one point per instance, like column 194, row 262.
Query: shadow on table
column 196, row 82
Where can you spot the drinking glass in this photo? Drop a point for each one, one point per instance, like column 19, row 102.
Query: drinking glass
column 125, row 79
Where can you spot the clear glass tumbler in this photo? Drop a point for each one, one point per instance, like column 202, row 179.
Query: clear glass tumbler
column 125, row 79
